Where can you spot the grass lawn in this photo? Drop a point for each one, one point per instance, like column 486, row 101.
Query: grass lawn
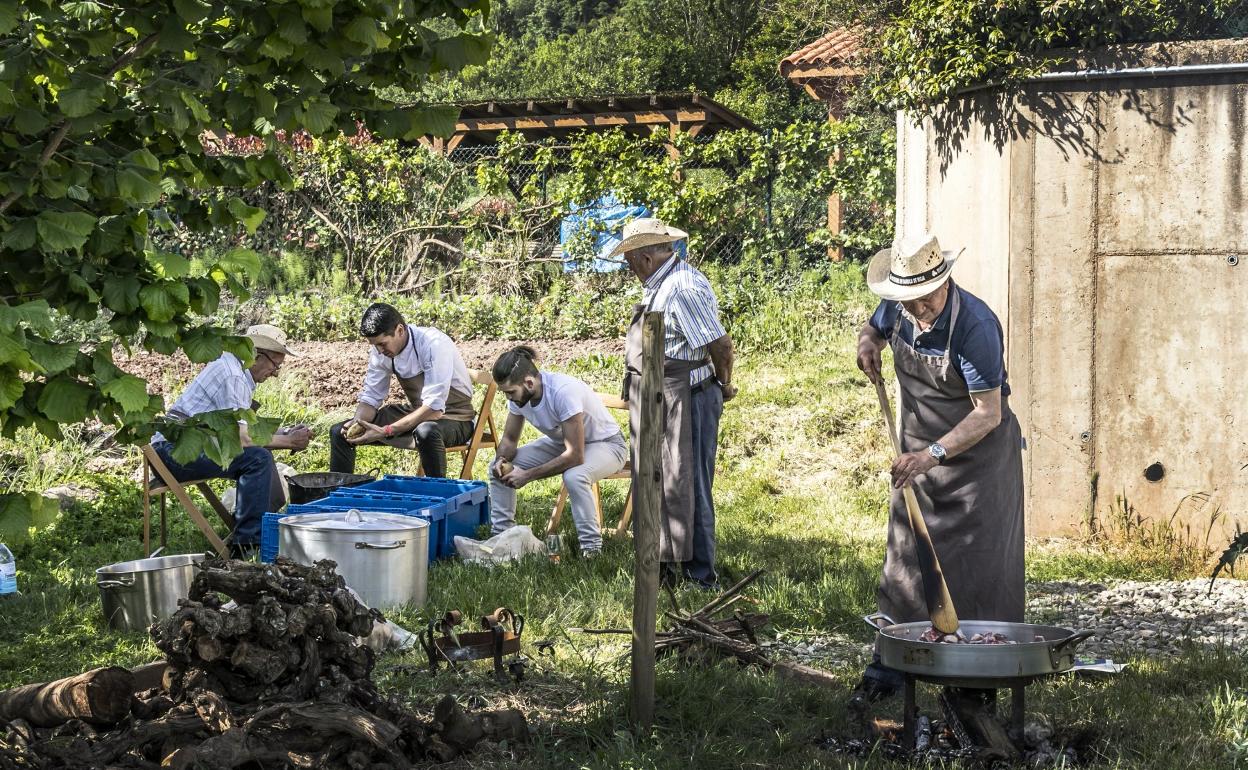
column 800, row 492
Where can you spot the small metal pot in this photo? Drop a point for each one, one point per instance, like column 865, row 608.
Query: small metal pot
column 136, row 594
column 384, row 557
column 310, row 487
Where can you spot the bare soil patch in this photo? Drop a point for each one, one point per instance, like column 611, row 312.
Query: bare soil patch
column 334, row 371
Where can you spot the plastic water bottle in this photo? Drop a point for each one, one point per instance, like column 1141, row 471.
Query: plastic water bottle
column 8, row 573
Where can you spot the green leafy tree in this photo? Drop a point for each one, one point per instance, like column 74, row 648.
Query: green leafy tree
column 935, row 48
column 104, row 107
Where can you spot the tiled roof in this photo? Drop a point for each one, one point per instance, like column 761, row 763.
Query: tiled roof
column 836, row 49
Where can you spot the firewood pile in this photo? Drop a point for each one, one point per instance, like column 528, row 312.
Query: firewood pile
column 280, row 677
column 698, row 635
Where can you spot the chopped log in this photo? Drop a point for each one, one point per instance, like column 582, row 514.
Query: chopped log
column 101, row 697
column 280, row 678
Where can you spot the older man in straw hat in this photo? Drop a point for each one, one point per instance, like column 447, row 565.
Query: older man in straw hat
column 961, row 443
column 226, row 384
column 697, row 380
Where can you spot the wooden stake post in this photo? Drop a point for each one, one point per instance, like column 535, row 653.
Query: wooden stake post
column 647, row 492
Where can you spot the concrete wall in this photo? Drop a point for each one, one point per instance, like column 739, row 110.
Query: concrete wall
column 1104, row 221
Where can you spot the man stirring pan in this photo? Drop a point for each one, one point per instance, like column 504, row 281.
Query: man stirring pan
column 961, row 443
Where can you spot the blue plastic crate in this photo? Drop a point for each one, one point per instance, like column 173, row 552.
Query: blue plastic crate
column 436, row 516
column 468, row 502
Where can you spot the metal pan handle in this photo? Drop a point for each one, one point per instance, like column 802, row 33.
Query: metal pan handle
column 878, row 620
column 382, row 546
column 109, row 584
column 1073, row 639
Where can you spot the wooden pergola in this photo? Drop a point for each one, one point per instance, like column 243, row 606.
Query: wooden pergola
column 825, row 69
column 695, row 114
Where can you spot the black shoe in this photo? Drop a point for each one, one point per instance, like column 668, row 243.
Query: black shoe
column 870, row 690
column 244, row 551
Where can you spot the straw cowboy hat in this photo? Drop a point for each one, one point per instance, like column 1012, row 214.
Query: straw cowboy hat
column 647, row 231
column 907, row 271
column 271, row 338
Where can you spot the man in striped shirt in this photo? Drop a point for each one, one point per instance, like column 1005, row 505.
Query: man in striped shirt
column 227, row 384
column 697, row 380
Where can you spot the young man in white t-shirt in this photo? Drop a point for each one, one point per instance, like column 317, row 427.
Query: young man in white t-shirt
column 581, row 441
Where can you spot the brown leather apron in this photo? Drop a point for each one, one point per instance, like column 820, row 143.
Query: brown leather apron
column 458, row 408
column 676, row 468
column 972, row 503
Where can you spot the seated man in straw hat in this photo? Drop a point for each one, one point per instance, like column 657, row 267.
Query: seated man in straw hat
column 962, row 445
column 226, row 384
column 697, row 380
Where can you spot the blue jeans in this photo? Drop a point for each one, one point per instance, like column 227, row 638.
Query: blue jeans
column 707, row 405
column 259, row 488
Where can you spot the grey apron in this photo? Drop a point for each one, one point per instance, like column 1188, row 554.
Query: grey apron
column 972, row 503
column 458, row 408
column 678, row 461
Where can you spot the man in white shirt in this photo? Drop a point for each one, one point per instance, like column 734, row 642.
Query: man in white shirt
column 435, row 380
column 225, row 384
column 581, row 441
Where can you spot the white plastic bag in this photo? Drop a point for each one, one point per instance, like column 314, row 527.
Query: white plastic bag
column 283, row 472
column 506, row 546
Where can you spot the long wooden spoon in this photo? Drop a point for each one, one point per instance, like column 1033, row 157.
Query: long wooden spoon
column 935, row 591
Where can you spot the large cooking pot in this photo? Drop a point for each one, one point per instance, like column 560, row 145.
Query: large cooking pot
column 310, row 487
column 136, row 594
column 1040, row 650
column 384, row 557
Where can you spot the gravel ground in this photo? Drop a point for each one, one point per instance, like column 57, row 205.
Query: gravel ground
column 1155, row 618
column 1158, row 618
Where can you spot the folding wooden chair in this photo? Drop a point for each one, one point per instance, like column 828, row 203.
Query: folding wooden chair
column 481, row 437
column 166, row 483
column 610, row 402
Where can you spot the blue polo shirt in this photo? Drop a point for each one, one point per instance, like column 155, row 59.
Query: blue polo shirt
column 978, row 349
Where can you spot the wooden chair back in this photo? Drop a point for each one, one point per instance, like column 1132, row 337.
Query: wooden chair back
column 168, row 484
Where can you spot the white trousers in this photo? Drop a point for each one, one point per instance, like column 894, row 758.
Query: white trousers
column 602, row 458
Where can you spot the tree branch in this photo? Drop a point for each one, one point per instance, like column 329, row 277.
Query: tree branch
column 58, row 136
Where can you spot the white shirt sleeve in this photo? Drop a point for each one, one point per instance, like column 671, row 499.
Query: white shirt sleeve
column 438, row 364
column 568, row 403
column 376, row 381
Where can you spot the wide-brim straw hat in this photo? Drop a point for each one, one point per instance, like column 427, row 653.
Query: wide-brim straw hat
column 904, row 271
column 270, row 338
column 647, row 231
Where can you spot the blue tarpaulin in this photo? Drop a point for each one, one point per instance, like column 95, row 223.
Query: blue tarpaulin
column 600, row 222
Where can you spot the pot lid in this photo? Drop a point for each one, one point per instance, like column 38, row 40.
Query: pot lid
column 353, row 520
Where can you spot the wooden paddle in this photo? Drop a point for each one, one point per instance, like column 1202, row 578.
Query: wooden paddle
column 935, row 591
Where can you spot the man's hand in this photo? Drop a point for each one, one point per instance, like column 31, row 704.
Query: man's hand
column 729, row 390
column 517, row 478
column 372, row 433
column 298, row 436
column 910, row 466
column 869, row 358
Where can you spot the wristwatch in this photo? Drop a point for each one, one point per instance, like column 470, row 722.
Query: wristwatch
column 937, row 452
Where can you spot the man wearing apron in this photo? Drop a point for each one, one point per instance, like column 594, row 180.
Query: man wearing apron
column 697, row 380
column 962, row 444
column 435, row 380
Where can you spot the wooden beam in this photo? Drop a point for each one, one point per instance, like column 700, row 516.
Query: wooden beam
column 584, row 120
column 491, row 108
column 454, row 142
column 647, row 492
column 808, row 73
column 836, row 209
